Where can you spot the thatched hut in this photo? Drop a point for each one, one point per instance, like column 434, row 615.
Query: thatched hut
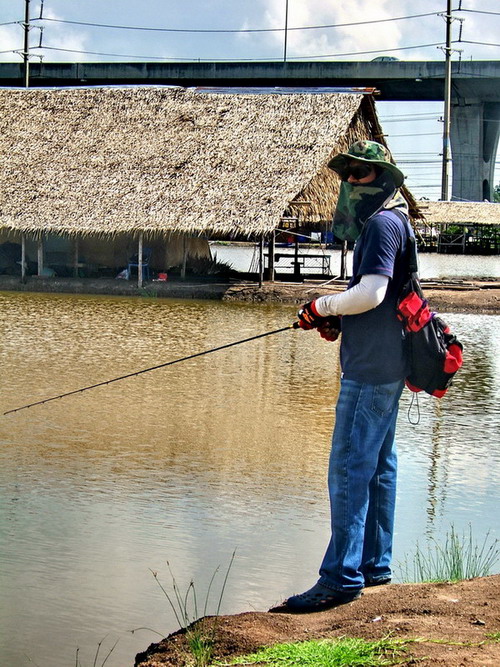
column 89, row 172
column 462, row 227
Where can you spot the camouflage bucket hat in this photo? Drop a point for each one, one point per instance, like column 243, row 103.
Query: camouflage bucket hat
column 369, row 152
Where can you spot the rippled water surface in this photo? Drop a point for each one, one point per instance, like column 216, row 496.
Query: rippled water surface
column 188, row 463
column 431, row 265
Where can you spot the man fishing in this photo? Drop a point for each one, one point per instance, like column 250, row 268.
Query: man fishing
column 362, row 471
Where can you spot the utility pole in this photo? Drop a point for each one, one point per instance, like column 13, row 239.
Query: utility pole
column 26, row 51
column 286, row 30
column 447, row 108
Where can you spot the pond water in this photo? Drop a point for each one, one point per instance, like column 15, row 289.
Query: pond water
column 188, row 463
column 431, row 265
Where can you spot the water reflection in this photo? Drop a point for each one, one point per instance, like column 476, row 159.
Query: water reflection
column 187, row 463
column 431, row 265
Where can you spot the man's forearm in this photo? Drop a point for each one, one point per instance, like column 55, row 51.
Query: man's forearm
column 367, row 294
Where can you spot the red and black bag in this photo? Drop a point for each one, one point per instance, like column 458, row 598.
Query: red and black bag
column 435, row 353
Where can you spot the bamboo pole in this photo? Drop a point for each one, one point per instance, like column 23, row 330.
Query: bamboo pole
column 139, row 263
column 272, row 249
column 75, row 258
column 40, row 256
column 184, row 257
column 23, row 258
column 261, row 260
column 343, row 261
column 296, row 265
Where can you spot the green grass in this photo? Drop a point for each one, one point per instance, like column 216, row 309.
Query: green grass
column 342, row 652
column 460, row 558
column 200, row 634
column 345, row 652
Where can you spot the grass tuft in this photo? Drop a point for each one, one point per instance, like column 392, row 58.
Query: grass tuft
column 342, row 652
column 200, row 634
column 460, row 558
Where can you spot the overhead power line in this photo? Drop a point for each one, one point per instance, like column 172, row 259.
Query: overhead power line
column 477, row 11
column 111, row 55
column 467, row 41
column 410, row 115
column 180, row 58
column 235, row 30
column 415, row 134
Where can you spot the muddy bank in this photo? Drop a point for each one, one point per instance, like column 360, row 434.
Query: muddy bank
column 454, row 624
column 463, row 297
column 457, row 296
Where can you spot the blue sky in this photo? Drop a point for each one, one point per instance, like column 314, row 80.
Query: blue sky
column 414, row 129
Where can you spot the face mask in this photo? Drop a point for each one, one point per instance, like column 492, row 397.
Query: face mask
column 357, row 202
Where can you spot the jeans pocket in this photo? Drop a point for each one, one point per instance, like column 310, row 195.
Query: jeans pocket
column 385, row 397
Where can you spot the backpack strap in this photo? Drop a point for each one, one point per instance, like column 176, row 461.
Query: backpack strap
column 411, row 243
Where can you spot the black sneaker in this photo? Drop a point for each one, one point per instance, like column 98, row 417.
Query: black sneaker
column 319, row 598
column 377, row 582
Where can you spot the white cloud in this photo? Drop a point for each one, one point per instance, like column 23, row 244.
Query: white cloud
column 11, row 39
column 58, row 35
column 347, row 39
column 61, row 36
column 380, row 38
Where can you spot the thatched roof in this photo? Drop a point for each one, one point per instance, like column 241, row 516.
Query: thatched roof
column 452, row 212
column 113, row 160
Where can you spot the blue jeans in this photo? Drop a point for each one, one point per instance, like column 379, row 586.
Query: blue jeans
column 362, row 485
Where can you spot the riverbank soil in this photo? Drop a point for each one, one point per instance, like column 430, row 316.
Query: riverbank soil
column 463, row 297
column 456, row 296
column 453, row 624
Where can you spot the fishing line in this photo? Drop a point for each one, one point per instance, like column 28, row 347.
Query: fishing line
column 295, row 325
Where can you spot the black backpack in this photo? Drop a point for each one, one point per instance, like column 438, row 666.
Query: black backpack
column 435, row 353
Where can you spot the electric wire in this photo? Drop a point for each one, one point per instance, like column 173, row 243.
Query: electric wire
column 416, row 134
column 468, row 41
column 247, row 30
column 235, row 30
column 477, row 11
column 268, row 59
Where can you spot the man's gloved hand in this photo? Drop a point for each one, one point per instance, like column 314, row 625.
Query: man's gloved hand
column 330, row 329
column 309, row 318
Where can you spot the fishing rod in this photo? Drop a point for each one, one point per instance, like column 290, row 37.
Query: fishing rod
column 295, row 325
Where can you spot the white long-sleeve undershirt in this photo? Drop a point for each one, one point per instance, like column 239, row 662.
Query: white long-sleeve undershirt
column 365, row 295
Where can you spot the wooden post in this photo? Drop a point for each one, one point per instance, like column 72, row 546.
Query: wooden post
column 261, row 260
column 296, row 265
column 139, row 263
column 184, row 257
column 75, row 258
column 23, row 258
column 272, row 248
column 343, row 261
column 40, row 256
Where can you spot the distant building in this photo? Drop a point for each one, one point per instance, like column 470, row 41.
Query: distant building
column 461, row 227
column 88, row 172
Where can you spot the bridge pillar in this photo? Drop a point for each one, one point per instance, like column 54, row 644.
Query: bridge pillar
column 475, row 128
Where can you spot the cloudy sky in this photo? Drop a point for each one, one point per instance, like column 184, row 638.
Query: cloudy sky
column 317, row 30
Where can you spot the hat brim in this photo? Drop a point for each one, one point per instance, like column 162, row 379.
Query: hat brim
column 340, row 160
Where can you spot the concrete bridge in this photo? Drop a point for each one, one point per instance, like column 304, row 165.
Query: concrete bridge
column 475, row 105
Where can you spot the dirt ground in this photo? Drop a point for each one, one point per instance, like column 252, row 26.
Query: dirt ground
column 458, row 296
column 451, row 624
column 477, row 296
